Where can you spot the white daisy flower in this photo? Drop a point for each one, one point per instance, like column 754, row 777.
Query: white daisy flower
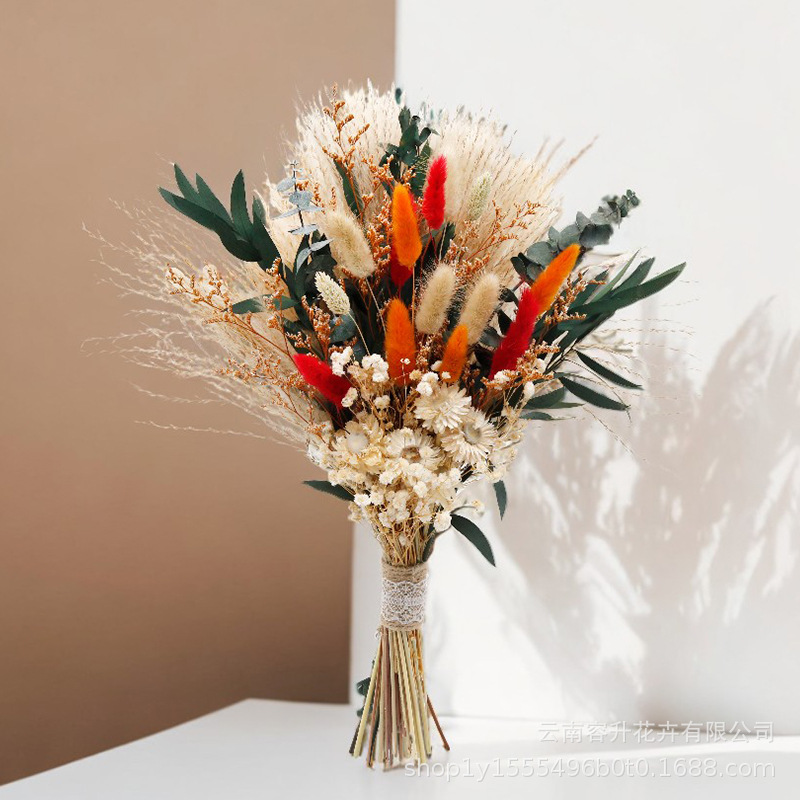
column 443, row 410
column 473, row 441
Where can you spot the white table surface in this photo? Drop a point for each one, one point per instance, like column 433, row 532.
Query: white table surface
column 272, row 749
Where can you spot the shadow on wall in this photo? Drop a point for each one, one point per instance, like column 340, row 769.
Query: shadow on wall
column 657, row 583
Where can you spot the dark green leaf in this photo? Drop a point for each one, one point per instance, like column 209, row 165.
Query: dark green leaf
column 626, row 297
column 427, row 551
column 540, row 416
column 185, row 185
column 241, row 219
column 473, row 534
column 605, row 372
column 501, row 496
column 253, row 305
column 210, row 200
column 328, row 488
column 546, row 400
column 591, row 396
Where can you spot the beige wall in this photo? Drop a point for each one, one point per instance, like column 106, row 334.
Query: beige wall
column 146, row 576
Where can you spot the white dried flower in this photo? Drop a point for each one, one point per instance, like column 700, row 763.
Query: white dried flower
column 382, row 402
column 527, row 390
column 332, row 293
column 377, row 366
column 479, row 507
column 350, row 397
column 443, row 410
column 502, row 377
column 340, row 360
column 362, row 500
column 472, row 442
column 479, row 197
column 442, row 521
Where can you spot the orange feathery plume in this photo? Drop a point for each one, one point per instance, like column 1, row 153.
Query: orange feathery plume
column 319, row 375
column 405, row 230
column 533, row 302
column 455, row 355
column 547, row 286
column 400, row 346
column 433, row 199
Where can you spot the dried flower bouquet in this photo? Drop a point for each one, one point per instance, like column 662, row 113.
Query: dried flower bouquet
column 401, row 305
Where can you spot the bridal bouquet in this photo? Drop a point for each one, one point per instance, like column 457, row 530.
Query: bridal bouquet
column 401, row 306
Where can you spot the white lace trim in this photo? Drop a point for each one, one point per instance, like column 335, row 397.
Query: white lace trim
column 403, row 596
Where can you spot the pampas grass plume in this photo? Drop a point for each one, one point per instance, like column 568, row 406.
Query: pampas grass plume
column 348, row 244
column 480, row 306
column 479, row 197
column 436, row 298
column 332, row 293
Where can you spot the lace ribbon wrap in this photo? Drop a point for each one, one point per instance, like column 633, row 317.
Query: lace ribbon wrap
column 403, row 596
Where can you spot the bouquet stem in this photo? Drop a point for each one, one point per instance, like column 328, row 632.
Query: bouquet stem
column 395, row 721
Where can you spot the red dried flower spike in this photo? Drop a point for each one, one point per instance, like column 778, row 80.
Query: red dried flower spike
column 532, row 302
column 397, row 272
column 319, row 375
column 433, row 199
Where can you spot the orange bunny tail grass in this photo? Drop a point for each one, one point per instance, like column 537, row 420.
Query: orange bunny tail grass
column 405, row 230
column 547, row 286
column 455, row 355
column 319, row 375
column 400, row 346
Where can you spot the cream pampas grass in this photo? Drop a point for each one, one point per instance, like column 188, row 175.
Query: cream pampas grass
column 480, row 306
column 436, row 298
column 348, row 245
column 332, row 293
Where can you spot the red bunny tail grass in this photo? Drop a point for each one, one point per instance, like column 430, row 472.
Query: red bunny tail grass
column 518, row 336
column 433, row 199
column 405, row 230
column 400, row 345
column 532, row 303
column 319, row 375
column 547, row 286
column 455, row 355
column 397, row 272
